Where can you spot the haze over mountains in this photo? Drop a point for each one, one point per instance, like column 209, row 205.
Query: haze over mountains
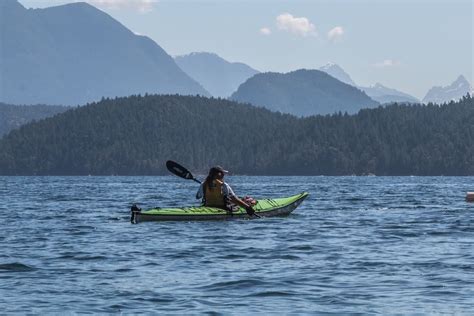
column 14, row 116
column 384, row 94
column 378, row 92
column 302, row 92
column 456, row 90
column 337, row 72
column 218, row 76
column 75, row 53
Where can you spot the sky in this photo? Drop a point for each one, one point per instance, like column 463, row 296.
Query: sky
column 410, row 45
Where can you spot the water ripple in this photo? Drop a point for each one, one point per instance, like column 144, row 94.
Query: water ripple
column 15, row 267
column 357, row 245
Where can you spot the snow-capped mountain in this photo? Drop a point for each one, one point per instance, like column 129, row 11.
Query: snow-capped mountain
column 377, row 92
column 459, row 88
column 337, row 72
column 382, row 94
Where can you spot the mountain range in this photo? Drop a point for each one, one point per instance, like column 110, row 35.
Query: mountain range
column 384, row 94
column 75, row 53
column 378, row 92
column 456, row 90
column 302, row 92
column 453, row 92
column 218, row 76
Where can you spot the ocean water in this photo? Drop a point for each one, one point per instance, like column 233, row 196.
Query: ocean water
column 369, row 245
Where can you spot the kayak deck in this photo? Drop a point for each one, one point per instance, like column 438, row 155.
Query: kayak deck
column 264, row 208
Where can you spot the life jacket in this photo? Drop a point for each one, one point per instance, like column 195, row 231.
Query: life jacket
column 213, row 194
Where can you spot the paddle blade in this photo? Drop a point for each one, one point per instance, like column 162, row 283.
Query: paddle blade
column 177, row 169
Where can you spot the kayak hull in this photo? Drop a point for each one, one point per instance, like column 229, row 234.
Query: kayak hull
column 264, row 208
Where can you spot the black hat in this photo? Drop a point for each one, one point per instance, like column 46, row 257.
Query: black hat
column 218, row 169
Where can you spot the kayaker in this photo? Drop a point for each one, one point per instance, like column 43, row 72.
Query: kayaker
column 216, row 193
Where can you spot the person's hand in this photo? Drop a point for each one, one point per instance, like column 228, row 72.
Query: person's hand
column 250, row 211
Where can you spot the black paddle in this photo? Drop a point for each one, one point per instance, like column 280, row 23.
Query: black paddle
column 176, row 169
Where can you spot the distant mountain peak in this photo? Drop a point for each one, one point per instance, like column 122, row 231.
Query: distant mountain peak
column 456, row 90
column 383, row 94
column 329, row 64
column 461, row 79
column 377, row 91
column 337, row 72
column 75, row 53
column 217, row 75
column 207, row 55
column 202, row 53
column 378, row 85
column 332, row 66
column 76, row 7
column 11, row 4
column 77, row 4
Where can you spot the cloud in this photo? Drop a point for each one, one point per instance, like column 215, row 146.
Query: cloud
column 142, row 6
column 300, row 26
column 336, row 34
column 387, row 63
column 265, row 31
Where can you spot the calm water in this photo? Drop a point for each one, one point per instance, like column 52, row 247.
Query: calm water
column 367, row 245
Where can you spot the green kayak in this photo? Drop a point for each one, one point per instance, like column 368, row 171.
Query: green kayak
column 264, row 208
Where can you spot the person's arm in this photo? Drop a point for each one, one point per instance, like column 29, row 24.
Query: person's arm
column 234, row 199
column 200, row 192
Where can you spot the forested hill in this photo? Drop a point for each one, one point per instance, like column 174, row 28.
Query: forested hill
column 302, row 92
column 13, row 116
column 136, row 135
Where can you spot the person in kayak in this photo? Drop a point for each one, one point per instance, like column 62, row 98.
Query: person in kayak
column 216, row 193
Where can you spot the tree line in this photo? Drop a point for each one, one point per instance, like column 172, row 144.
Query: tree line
column 135, row 136
column 13, row 116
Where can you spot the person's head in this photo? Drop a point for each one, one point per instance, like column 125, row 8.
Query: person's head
column 217, row 172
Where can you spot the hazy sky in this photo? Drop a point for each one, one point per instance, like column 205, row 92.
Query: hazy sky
column 410, row 45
